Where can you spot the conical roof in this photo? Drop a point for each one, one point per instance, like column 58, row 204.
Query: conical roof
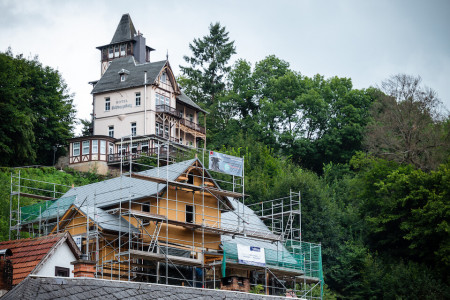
column 125, row 30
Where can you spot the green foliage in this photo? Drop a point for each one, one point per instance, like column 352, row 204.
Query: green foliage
column 45, row 174
column 86, row 130
column 36, row 111
column 257, row 289
column 406, row 210
column 313, row 121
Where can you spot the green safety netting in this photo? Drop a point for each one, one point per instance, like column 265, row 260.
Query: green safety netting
column 312, row 254
column 31, row 212
column 47, row 210
column 293, row 255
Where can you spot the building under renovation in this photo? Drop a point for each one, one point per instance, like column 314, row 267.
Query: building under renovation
column 179, row 223
column 176, row 214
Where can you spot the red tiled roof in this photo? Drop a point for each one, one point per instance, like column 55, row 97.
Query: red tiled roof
column 28, row 253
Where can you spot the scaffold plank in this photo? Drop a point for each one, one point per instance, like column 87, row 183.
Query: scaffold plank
column 34, row 196
column 224, row 193
column 280, row 214
column 145, row 215
column 179, row 260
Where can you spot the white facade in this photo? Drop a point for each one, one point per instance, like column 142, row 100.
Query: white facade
column 117, row 112
column 62, row 257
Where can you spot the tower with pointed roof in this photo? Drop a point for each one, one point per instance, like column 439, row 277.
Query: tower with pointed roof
column 125, row 42
column 135, row 99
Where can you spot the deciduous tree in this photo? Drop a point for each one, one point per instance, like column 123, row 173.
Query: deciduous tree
column 408, row 124
column 36, row 111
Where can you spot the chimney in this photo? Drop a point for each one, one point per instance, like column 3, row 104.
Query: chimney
column 6, row 271
column 83, row 267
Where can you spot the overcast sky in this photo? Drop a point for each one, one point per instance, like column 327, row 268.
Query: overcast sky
column 366, row 41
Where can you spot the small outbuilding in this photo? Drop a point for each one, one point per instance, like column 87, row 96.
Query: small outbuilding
column 49, row 255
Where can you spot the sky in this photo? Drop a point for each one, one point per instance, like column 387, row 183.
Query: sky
column 367, row 41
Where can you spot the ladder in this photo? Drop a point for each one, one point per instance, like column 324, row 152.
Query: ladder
column 155, row 236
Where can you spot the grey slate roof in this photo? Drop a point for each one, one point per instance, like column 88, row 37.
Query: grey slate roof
column 106, row 220
column 254, row 223
column 110, row 192
column 39, row 288
column 188, row 101
column 125, row 30
column 110, row 80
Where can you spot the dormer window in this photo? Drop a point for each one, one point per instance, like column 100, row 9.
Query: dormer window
column 123, row 74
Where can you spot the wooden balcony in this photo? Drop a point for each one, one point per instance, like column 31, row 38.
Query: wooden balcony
column 166, row 109
column 193, row 126
column 166, row 136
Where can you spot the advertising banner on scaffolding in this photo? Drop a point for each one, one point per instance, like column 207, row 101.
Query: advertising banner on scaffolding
column 250, row 255
column 227, row 164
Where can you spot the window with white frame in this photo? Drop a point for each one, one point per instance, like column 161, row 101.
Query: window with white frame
column 102, row 147
column 163, row 77
column 116, row 51
column 122, row 77
column 111, row 131
column 107, row 104
column 167, row 101
column 166, row 131
column 111, row 148
column 76, row 148
column 110, row 52
column 138, row 99
column 134, row 148
column 123, row 150
column 85, row 147
column 159, row 129
column 94, row 146
column 133, row 129
column 144, row 147
column 157, row 101
column 123, row 49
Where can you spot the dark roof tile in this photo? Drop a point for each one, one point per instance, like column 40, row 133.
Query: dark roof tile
column 110, row 80
column 125, row 30
column 35, row 287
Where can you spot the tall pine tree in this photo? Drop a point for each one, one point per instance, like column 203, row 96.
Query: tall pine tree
column 203, row 78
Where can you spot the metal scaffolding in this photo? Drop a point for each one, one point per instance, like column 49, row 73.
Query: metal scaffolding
column 185, row 233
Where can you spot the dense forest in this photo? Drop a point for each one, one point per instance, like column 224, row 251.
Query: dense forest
column 372, row 164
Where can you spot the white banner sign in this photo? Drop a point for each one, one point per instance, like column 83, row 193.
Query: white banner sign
column 250, row 255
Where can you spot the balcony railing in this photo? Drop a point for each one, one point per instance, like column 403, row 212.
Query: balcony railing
column 125, row 155
column 162, row 108
column 193, row 125
column 166, row 136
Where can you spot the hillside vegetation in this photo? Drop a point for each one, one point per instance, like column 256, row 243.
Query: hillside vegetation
column 372, row 165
